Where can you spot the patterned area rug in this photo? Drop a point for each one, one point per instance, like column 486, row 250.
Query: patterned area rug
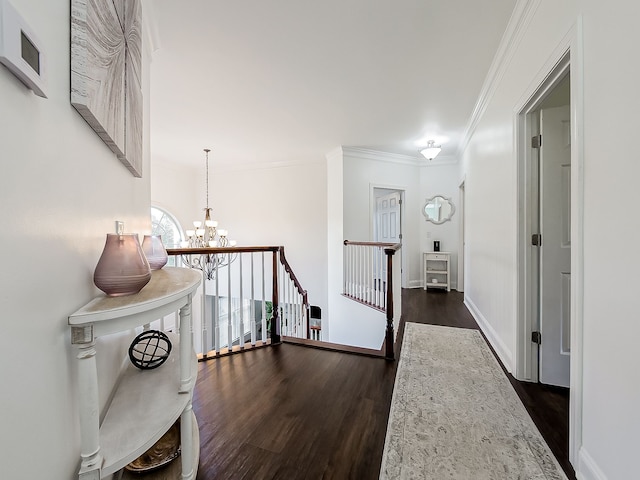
column 454, row 414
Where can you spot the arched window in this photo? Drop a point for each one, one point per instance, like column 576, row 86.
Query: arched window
column 165, row 224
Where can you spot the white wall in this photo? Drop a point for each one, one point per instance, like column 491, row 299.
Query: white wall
column 61, row 189
column 611, row 327
column 178, row 189
column 362, row 172
column 610, row 393
column 280, row 204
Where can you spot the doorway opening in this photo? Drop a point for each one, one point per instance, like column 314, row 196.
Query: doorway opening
column 387, row 214
column 545, row 221
column 565, row 65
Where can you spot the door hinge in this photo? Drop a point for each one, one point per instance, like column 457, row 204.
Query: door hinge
column 536, row 239
column 536, row 142
column 536, row 337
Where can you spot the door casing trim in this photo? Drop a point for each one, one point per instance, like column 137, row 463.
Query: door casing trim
column 567, row 56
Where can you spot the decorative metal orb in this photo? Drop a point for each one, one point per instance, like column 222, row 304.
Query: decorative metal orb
column 150, row 349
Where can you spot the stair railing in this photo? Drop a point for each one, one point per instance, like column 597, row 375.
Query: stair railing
column 368, row 279
column 294, row 302
column 248, row 299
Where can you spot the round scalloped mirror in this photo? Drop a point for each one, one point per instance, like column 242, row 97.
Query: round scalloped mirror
column 438, row 209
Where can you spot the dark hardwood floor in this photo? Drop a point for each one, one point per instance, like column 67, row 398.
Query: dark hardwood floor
column 295, row 412
column 548, row 406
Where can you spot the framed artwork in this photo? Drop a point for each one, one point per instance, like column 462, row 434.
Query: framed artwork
column 106, row 73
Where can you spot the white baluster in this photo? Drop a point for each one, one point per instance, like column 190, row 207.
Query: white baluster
column 347, row 269
column 378, row 277
column 372, row 276
column 345, row 250
column 369, row 275
column 294, row 322
column 359, row 273
column 229, row 311
column 292, row 319
column 241, row 327
column 354, row 251
column 253, row 305
column 203, row 315
column 216, row 311
column 353, row 270
column 351, row 250
column 285, row 306
column 305, row 318
column 264, row 304
column 301, row 330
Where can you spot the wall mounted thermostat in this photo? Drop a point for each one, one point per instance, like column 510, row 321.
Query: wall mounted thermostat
column 21, row 50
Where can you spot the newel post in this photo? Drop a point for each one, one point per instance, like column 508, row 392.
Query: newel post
column 275, row 315
column 389, row 337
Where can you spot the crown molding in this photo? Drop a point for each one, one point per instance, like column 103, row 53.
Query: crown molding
column 380, row 156
column 399, row 158
column 517, row 26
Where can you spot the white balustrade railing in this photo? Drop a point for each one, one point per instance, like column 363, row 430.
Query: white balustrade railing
column 243, row 290
column 369, row 277
column 365, row 273
column 294, row 308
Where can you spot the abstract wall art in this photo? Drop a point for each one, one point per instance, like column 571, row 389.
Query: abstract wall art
column 106, row 73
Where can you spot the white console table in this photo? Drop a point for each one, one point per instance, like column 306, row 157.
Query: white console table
column 146, row 403
column 437, row 270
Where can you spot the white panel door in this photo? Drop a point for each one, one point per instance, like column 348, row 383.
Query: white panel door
column 387, row 228
column 388, row 218
column 555, row 221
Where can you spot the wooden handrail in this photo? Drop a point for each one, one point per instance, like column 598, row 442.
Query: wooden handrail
column 298, row 285
column 289, row 270
column 373, row 244
column 217, row 250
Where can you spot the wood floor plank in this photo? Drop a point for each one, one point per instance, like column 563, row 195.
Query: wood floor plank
column 293, row 412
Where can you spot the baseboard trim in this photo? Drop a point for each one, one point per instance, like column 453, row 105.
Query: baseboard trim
column 491, row 335
column 588, row 468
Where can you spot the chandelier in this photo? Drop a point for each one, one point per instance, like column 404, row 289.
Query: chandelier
column 206, row 234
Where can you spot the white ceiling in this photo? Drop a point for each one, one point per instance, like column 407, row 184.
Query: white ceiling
column 288, row 81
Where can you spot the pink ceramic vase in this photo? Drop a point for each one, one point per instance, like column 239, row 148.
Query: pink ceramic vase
column 155, row 252
column 123, row 268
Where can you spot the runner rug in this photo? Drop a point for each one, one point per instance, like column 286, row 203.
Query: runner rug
column 455, row 416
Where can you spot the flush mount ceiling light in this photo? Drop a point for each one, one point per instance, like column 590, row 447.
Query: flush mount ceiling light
column 431, row 151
